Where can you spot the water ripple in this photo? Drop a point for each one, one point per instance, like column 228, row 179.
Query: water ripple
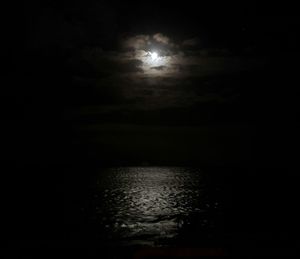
column 152, row 202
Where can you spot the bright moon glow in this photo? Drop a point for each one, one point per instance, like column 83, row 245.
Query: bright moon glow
column 153, row 63
column 154, row 55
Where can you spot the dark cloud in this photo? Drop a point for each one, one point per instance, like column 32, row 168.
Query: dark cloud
column 186, row 76
column 159, row 68
column 107, row 63
column 139, row 42
column 191, row 43
column 159, row 37
column 149, row 42
column 129, row 66
column 108, row 67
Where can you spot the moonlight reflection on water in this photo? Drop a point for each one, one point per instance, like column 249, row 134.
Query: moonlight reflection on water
column 149, row 204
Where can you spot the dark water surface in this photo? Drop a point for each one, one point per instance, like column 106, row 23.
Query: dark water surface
column 84, row 210
column 151, row 205
column 181, row 206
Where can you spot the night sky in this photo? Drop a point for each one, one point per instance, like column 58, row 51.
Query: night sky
column 81, row 82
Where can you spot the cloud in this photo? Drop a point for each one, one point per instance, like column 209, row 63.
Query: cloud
column 107, row 63
column 191, row 42
column 159, row 68
column 139, row 42
column 160, row 38
column 178, row 60
column 129, row 80
column 146, row 42
column 129, row 66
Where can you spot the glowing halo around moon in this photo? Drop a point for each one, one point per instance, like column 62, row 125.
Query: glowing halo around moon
column 153, row 59
column 153, row 62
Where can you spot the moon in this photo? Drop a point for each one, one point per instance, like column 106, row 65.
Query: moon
column 154, row 55
column 153, row 62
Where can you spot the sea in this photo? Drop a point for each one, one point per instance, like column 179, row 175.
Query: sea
column 232, row 209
